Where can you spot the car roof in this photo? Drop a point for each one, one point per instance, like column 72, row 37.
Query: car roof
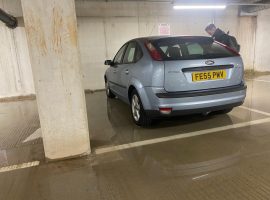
column 151, row 38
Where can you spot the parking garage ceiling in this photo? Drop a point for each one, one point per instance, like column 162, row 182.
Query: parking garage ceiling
column 247, row 6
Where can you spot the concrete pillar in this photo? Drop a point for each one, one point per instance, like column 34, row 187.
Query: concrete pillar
column 51, row 30
column 246, row 38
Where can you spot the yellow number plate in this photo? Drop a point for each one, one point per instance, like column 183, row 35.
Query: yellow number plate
column 209, row 75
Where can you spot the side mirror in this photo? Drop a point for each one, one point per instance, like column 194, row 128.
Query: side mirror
column 108, row 62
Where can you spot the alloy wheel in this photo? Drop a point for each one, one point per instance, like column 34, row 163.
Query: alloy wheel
column 107, row 88
column 135, row 106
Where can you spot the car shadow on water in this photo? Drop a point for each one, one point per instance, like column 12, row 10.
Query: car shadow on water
column 119, row 114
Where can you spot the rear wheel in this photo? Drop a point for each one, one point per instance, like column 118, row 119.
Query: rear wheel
column 138, row 113
column 108, row 90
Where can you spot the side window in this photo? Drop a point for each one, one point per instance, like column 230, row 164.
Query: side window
column 130, row 53
column 118, row 58
column 133, row 53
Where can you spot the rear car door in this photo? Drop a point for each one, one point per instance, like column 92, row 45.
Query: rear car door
column 198, row 63
column 117, row 62
column 132, row 54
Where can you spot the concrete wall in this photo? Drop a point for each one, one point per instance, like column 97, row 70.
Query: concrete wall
column 109, row 25
column 15, row 69
column 262, row 52
column 104, row 27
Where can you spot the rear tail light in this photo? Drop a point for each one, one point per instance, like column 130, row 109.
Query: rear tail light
column 228, row 48
column 153, row 51
column 165, row 111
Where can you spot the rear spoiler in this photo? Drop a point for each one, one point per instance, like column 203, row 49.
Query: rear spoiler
column 228, row 48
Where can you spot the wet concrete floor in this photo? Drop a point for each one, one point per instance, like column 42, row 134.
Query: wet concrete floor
column 227, row 164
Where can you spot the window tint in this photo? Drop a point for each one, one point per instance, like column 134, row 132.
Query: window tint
column 194, row 48
column 118, row 58
column 164, row 48
column 133, row 53
column 138, row 54
column 130, row 53
column 190, row 48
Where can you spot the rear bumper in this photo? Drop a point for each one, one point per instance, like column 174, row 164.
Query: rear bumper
column 156, row 114
column 206, row 92
column 183, row 103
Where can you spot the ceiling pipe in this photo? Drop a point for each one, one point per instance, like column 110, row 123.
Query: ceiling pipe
column 254, row 9
column 8, row 19
column 258, row 5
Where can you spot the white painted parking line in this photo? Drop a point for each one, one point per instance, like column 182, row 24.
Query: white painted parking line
column 254, row 110
column 36, row 135
column 259, row 80
column 198, row 177
column 103, row 150
column 19, row 166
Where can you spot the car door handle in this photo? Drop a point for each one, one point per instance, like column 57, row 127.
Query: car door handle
column 115, row 70
column 126, row 71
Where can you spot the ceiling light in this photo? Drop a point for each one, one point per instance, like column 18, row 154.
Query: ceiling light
column 188, row 7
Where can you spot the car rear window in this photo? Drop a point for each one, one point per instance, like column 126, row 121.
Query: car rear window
column 189, row 48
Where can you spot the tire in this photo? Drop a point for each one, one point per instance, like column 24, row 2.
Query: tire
column 138, row 113
column 108, row 90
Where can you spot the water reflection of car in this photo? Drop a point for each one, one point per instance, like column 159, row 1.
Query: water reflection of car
column 193, row 156
column 167, row 76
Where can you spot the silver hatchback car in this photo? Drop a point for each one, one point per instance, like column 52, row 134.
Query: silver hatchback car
column 168, row 76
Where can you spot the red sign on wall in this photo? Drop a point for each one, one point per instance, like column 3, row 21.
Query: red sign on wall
column 164, row 29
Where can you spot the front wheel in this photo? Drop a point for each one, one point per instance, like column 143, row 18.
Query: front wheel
column 108, row 90
column 138, row 113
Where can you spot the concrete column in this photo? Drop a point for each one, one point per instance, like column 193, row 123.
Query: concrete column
column 51, row 30
column 246, row 38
